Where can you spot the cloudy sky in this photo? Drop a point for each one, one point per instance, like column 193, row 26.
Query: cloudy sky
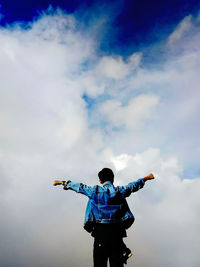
column 92, row 84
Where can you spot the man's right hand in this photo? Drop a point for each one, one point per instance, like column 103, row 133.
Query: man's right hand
column 149, row 177
column 56, row 182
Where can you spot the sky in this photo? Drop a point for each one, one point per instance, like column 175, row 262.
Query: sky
column 91, row 84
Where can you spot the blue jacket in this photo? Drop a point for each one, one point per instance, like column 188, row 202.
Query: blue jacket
column 107, row 204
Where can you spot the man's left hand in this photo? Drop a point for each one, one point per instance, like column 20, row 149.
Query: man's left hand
column 149, row 177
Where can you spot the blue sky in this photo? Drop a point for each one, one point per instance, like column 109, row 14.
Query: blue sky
column 132, row 25
column 92, row 84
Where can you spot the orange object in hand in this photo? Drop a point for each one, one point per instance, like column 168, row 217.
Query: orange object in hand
column 148, row 177
column 56, row 182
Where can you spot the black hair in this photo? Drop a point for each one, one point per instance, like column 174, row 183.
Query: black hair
column 106, row 174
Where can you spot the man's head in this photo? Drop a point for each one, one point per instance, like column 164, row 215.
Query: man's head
column 106, row 174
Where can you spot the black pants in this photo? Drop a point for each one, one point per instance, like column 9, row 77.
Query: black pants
column 108, row 248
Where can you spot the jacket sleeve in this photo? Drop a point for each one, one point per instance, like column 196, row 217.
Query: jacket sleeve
column 79, row 188
column 131, row 187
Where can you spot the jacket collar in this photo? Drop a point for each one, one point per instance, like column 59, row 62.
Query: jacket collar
column 107, row 183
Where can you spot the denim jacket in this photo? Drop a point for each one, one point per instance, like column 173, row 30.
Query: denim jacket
column 107, row 204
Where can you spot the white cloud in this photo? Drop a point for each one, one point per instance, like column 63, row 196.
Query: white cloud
column 185, row 37
column 120, row 162
column 131, row 115
column 181, row 29
column 116, row 68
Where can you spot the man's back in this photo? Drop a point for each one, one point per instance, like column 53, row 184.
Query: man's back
column 107, row 205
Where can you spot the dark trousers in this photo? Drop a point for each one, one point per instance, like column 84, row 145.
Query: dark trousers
column 108, row 248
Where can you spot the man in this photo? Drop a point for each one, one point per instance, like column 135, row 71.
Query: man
column 107, row 216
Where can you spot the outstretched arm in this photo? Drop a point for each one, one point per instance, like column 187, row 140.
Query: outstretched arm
column 77, row 187
column 135, row 186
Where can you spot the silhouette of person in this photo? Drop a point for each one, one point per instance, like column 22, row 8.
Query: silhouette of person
column 107, row 216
